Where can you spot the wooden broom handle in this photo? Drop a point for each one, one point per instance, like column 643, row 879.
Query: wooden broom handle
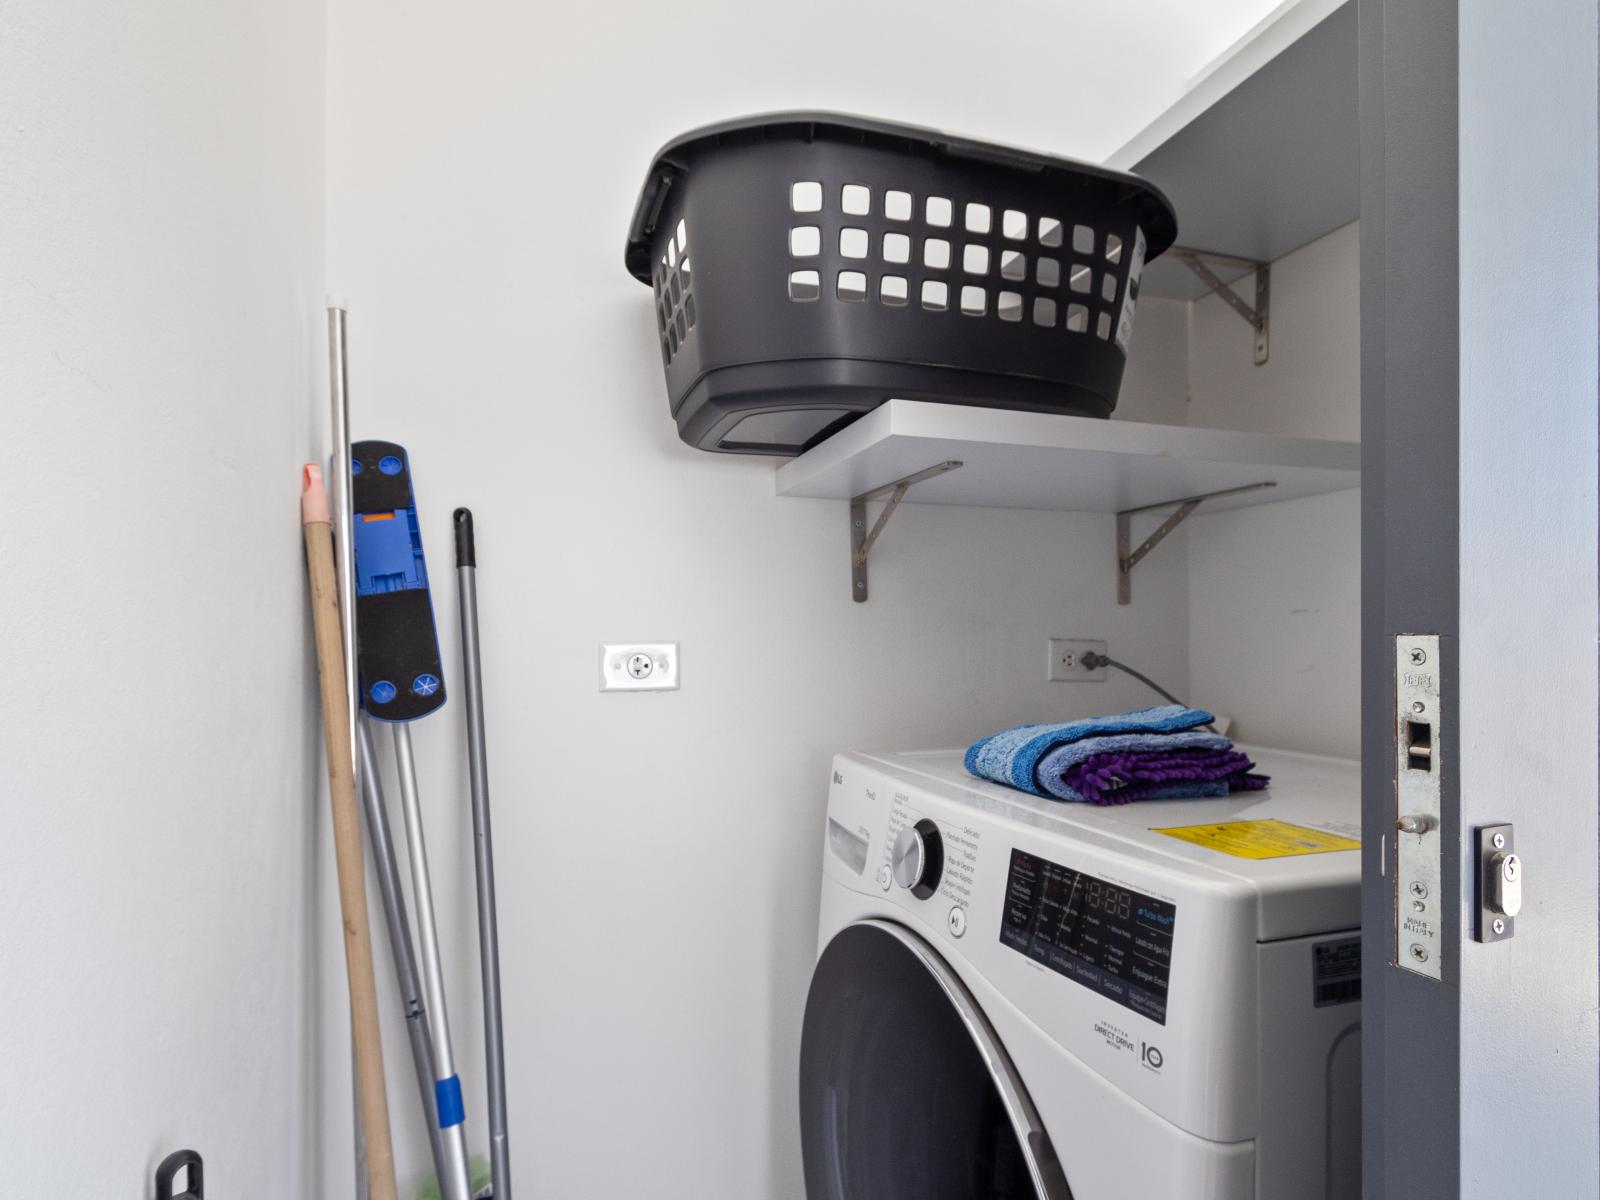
column 370, row 1086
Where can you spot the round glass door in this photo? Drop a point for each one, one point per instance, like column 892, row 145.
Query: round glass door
column 905, row 1093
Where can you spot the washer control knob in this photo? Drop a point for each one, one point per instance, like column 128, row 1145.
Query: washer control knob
column 918, row 858
column 907, row 857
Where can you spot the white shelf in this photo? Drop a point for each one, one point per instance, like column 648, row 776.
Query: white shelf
column 1077, row 464
column 1262, row 154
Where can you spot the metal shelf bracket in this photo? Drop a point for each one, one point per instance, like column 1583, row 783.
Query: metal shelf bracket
column 1128, row 558
column 1257, row 315
column 862, row 539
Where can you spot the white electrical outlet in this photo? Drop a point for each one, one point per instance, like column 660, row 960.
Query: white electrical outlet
column 1066, row 660
column 639, row 667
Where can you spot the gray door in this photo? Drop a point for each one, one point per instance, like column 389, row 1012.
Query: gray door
column 1479, row 241
column 905, row 1092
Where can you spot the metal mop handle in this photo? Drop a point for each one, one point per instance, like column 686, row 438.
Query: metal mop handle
column 339, row 477
column 483, row 856
column 404, row 953
column 454, row 1180
column 339, row 395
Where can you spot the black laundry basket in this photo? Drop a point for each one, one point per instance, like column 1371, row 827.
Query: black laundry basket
column 809, row 266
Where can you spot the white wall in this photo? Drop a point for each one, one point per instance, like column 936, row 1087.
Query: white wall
column 1274, row 591
column 1274, row 614
column 1310, row 385
column 659, row 858
column 160, row 274
column 1155, row 387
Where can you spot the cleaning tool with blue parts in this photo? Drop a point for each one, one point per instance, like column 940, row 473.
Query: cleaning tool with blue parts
column 401, row 681
column 367, row 1046
column 494, row 1052
column 398, row 650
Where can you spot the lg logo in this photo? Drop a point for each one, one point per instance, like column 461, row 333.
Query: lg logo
column 1150, row 1056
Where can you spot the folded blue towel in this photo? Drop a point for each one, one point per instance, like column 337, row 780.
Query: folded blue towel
column 1013, row 756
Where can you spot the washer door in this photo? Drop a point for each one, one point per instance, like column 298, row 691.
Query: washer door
column 905, row 1092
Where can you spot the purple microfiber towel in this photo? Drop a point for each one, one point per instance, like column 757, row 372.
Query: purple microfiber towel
column 1124, row 776
column 1051, row 773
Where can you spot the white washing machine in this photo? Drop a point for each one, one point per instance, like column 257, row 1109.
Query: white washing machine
column 1019, row 998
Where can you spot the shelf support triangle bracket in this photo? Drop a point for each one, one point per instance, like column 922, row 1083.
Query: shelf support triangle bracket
column 1129, row 557
column 1257, row 316
column 863, row 539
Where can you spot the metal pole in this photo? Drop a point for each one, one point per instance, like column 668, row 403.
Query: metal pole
column 405, row 955
column 454, row 1182
column 483, row 856
column 339, row 476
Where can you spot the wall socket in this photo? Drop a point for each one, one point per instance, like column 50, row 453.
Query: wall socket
column 639, row 667
column 1066, row 660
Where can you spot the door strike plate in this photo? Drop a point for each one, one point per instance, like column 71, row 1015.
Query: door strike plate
column 1499, row 883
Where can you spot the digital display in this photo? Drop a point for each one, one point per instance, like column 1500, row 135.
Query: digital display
column 1114, row 941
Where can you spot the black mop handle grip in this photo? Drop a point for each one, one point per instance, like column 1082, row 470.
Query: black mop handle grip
column 466, row 549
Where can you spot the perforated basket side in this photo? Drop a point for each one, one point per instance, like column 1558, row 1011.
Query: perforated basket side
column 792, row 273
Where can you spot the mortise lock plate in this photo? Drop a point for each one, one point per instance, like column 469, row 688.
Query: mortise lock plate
column 1499, row 883
column 1418, row 838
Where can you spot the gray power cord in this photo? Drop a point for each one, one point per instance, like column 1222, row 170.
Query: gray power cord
column 1093, row 662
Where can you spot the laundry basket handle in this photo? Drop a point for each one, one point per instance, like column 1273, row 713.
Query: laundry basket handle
column 168, row 1170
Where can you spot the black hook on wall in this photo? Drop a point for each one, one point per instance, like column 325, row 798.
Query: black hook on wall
column 195, row 1183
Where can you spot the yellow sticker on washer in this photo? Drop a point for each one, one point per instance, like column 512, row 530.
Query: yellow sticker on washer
column 1260, row 839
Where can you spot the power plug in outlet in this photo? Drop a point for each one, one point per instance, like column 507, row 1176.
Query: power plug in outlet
column 1066, row 660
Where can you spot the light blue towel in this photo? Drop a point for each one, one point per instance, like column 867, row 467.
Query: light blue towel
column 1014, row 756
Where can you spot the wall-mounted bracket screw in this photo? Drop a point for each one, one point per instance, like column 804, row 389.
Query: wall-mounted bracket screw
column 1418, row 656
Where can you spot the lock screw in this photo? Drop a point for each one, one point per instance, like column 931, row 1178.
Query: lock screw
column 1419, row 889
column 1420, row 953
column 1418, row 706
column 1418, row 657
column 1499, row 926
column 1499, row 841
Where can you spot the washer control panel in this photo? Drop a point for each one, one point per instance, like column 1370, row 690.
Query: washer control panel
column 1110, row 939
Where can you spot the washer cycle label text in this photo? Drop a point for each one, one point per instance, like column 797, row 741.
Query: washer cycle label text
column 1108, row 938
